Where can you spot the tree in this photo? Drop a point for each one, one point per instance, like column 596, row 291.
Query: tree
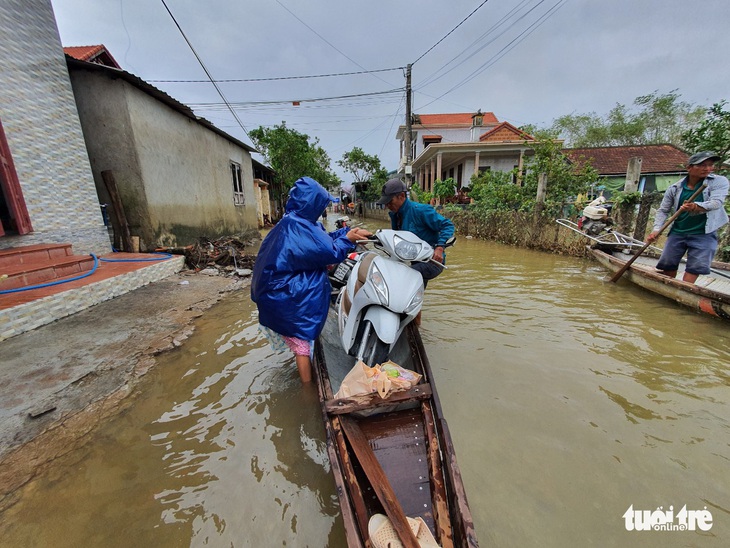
column 443, row 190
column 368, row 174
column 655, row 119
column 565, row 179
column 713, row 133
column 292, row 155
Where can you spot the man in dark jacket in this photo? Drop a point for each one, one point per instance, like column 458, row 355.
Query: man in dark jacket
column 290, row 285
column 422, row 220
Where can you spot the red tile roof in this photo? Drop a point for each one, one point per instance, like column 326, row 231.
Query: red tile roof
column 93, row 54
column 614, row 160
column 455, row 119
column 506, row 132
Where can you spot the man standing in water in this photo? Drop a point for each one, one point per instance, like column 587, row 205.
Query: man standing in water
column 422, row 220
column 695, row 230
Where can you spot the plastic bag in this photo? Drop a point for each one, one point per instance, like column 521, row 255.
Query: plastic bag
column 384, row 379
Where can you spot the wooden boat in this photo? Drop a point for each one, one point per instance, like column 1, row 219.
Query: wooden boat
column 399, row 459
column 710, row 294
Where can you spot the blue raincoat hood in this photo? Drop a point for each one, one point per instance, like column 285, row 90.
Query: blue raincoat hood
column 290, row 285
column 308, row 199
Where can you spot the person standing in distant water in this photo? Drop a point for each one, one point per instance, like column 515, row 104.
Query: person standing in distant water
column 694, row 232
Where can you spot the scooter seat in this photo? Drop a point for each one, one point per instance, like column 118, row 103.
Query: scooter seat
column 362, row 273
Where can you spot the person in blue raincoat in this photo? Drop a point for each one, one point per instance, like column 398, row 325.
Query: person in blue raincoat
column 290, row 285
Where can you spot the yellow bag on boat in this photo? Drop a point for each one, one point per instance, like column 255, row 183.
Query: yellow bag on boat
column 384, row 379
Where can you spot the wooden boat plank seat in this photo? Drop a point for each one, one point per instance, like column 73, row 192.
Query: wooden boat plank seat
column 370, row 402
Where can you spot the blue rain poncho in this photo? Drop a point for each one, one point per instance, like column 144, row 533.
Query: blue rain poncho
column 290, row 285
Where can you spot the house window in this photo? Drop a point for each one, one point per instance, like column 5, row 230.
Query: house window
column 238, row 198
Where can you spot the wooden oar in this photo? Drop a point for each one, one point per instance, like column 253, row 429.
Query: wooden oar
column 379, row 481
column 624, row 268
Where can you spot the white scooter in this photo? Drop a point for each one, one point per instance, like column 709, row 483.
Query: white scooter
column 380, row 293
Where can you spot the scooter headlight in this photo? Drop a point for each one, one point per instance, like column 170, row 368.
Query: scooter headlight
column 416, row 301
column 376, row 277
column 406, row 250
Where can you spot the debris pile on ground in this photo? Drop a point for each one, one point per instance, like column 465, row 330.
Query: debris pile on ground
column 225, row 256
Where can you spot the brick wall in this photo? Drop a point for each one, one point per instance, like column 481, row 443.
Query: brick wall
column 41, row 123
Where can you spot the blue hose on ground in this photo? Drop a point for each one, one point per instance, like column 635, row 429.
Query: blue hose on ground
column 57, row 282
column 89, row 273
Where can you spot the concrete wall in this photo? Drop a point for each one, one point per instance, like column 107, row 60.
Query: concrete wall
column 173, row 174
column 42, row 127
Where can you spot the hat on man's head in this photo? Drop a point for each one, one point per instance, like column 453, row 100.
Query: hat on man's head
column 700, row 157
column 390, row 190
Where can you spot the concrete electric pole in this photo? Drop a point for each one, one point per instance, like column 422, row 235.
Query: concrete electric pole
column 409, row 135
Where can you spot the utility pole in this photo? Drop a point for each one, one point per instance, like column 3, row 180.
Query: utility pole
column 409, row 134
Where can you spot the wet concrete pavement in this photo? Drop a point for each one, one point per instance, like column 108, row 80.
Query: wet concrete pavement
column 58, row 381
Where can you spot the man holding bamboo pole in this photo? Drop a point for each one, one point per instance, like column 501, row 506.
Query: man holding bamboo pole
column 694, row 231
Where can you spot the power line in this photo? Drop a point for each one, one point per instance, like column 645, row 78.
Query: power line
column 212, row 81
column 280, row 77
column 448, row 33
column 506, row 49
column 450, row 63
column 294, row 101
column 330, row 44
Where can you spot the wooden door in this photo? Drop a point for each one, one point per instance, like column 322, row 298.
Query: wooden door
column 10, row 187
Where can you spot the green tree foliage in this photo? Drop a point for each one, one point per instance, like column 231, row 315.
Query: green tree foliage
column 292, row 155
column 444, row 189
column 565, row 179
column 368, row 174
column 494, row 190
column 419, row 195
column 713, row 133
column 654, row 119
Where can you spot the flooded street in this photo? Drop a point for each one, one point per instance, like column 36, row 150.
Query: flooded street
column 569, row 400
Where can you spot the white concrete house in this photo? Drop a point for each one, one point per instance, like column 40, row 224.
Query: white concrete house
column 461, row 144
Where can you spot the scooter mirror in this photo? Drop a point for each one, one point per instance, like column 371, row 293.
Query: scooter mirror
column 451, row 241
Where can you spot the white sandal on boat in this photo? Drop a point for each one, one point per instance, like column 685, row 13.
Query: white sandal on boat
column 383, row 534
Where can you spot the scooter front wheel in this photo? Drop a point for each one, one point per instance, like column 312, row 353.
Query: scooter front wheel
column 373, row 351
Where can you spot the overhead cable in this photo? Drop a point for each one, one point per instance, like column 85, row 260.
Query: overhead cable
column 212, row 81
column 295, row 101
column 330, row 44
column 448, row 33
column 279, row 77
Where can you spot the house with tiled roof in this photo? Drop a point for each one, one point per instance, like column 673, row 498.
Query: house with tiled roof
column 460, row 145
column 92, row 54
column 179, row 177
column 661, row 165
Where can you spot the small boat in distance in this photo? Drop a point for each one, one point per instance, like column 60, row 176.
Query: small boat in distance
column 709, row 294
column 391, row 456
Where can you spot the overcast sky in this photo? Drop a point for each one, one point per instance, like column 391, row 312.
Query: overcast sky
column 527, row 61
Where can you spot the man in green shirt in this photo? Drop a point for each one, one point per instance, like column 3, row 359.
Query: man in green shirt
column 694, row 232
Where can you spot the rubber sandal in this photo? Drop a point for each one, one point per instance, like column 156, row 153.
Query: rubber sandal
column 383, row 534
column 423, row 533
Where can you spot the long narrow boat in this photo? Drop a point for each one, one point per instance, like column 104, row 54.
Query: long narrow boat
column 710, row 294
column 393, row 456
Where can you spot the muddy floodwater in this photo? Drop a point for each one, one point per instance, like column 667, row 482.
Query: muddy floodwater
column 570, row 400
